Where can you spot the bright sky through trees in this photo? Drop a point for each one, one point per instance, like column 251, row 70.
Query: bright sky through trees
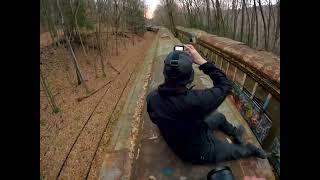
column 152, row 5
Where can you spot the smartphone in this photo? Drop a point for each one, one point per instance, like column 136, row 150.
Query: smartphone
column 178, row 48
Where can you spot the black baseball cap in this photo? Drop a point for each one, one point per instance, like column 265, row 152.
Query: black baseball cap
column 178, row 68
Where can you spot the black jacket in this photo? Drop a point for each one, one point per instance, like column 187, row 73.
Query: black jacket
column 179, row 113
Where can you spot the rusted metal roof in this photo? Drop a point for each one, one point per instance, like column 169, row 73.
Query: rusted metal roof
column 259, row 63
column 264, row 62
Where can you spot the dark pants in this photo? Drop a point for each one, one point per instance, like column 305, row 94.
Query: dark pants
column 225, row 151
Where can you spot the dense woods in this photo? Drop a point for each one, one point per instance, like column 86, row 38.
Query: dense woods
column 254, row 22
column 97, row 62
column 95, row 27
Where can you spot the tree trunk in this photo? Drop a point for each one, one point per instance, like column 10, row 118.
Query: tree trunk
column 198, row 18
column 47, row 90
column 124, row 25
column 208, row 15
column 116, row 24
column 257, row 23
column 98, row 35
column 242, row 21
column 132, row 39
column 216, row 19
column 264, row 26
column 277, row 27
column 77, row 67
column 227, row 22
column 248, row 21
column 47, row 15
column 99, row 41
column 75, row 62
column 185, row 12
column 78, row 31
column 190, row 15
column 95, row 61
column 169, row 5
column 235, row 18
column 220, row 17
column 251, row 32
column 269, row 21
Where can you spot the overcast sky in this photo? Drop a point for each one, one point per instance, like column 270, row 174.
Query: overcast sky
column 152, row 4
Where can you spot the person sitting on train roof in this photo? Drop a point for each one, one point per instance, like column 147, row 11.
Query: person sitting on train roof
column 187, row 118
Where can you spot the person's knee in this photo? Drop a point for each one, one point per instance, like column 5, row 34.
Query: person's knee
column 217, row 116
column 215, row 119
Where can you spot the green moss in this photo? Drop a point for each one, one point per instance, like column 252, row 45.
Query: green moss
column 56, row 110
column 42, row 122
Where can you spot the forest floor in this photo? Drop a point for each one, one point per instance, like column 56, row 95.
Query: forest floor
column 73, row 141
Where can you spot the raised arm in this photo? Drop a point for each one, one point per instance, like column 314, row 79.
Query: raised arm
column 210, row 98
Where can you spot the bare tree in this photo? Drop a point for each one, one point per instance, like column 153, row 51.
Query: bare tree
column 169, row 4
column 220, row 17
column 215, row 19
column 188, row 4
column 48, row 93
column 48, row 16
column 77, row 27
column 208, row 15
column 98, row 35
column 256, row 22
column 124, row 4
column 117, row 16
column 270, row 9
column 227, row 20
column 264, row 26
column 242, row 19
column 75, row 61
column 248, row 21
column 100, row 48
column 235, row 17
column 277, row 27
column 251, row 30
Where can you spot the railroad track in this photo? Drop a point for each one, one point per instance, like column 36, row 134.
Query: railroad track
column 106, row 126
column 108, row 121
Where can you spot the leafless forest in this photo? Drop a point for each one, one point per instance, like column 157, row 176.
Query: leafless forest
column 91, row 27
column 254, row 22
column 90, row 52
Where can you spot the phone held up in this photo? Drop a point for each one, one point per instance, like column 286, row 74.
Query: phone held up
column 178, row 48
column 192, row 40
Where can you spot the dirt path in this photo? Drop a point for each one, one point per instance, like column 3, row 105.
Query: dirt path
column 73, row 141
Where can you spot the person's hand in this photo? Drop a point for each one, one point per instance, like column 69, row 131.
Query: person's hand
column 196, row 57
